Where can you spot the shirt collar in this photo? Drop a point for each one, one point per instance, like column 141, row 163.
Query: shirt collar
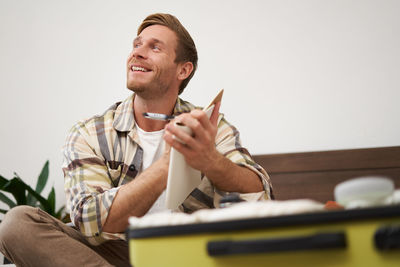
column 123, row 117
column 182, row 106
column 124, row 120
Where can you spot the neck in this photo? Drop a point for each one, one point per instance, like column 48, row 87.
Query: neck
column 164, row 105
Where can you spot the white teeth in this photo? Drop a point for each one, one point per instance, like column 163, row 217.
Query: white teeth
column 139, row 69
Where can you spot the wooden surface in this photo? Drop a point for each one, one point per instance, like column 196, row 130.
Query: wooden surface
column 315, row 174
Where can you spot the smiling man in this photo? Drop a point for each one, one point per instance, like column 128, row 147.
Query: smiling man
column 116, row 164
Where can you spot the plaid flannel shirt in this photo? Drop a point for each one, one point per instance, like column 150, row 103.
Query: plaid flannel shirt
column 103, row 153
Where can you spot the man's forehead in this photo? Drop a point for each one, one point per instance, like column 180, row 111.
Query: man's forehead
column 159, row 33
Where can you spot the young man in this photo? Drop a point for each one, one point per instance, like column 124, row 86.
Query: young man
column 116, row 164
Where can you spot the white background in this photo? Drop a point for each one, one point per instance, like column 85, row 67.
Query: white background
column 298, row 75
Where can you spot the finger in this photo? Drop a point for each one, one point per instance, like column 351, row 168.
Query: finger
column 200, row 124
column 177, row 131
column 171, row 140
column 182, row 134
column 167, row 148
column 208, row 126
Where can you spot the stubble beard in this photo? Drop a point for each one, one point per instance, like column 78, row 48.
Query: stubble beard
column 153, row 90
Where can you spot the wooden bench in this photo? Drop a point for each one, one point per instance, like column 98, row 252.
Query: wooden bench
column 314, row 174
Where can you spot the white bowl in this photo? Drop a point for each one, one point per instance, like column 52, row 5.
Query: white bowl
column 364, row 191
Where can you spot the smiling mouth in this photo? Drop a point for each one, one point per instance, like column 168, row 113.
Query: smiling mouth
column 141, row 69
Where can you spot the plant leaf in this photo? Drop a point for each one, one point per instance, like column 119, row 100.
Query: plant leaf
column 17, row 188
column 40, row 184
column 20, row 190
column 23, row 186
column 51, row 199
column 7, row 200
column 42, row 180
column 3, row 211
column 45, row 204
column 3, row 181
column 59, row 213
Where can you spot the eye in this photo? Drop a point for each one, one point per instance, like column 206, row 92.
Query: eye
column 156, row 48
column 136, row 45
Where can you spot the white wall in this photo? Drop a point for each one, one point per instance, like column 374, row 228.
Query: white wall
column 298, row 75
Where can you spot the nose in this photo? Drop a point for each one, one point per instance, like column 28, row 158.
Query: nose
column 139, row 52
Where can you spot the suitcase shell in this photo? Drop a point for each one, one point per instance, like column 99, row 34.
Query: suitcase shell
column 362, row 237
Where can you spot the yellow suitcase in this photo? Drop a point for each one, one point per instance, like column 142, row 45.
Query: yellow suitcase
column 362, row 237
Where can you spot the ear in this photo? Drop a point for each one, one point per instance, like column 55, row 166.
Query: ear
column 184, row 70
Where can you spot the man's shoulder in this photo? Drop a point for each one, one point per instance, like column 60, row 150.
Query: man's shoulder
column 92, row 124
column 118, row 116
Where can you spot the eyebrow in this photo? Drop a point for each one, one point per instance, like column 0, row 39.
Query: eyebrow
column 154, row 40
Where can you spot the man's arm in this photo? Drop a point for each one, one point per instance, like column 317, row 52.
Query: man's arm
column 200, row 152
column 137, row 197
column 230, row 177
column 93, row 201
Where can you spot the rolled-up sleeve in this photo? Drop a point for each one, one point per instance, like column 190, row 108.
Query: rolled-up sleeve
column 229, row 144
column 88, row 187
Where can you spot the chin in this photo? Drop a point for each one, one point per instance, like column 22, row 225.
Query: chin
column 137, row 90
column 141, row 91
column 134, row 86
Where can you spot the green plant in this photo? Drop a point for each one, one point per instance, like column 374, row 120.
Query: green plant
column 25, row 195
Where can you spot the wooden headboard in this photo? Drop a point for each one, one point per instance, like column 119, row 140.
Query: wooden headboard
column 315, row 174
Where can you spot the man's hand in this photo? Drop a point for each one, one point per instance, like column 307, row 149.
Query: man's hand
column 199, row 148
column 200, row 152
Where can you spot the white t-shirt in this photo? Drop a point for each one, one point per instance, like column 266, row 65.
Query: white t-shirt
column 153, row 145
